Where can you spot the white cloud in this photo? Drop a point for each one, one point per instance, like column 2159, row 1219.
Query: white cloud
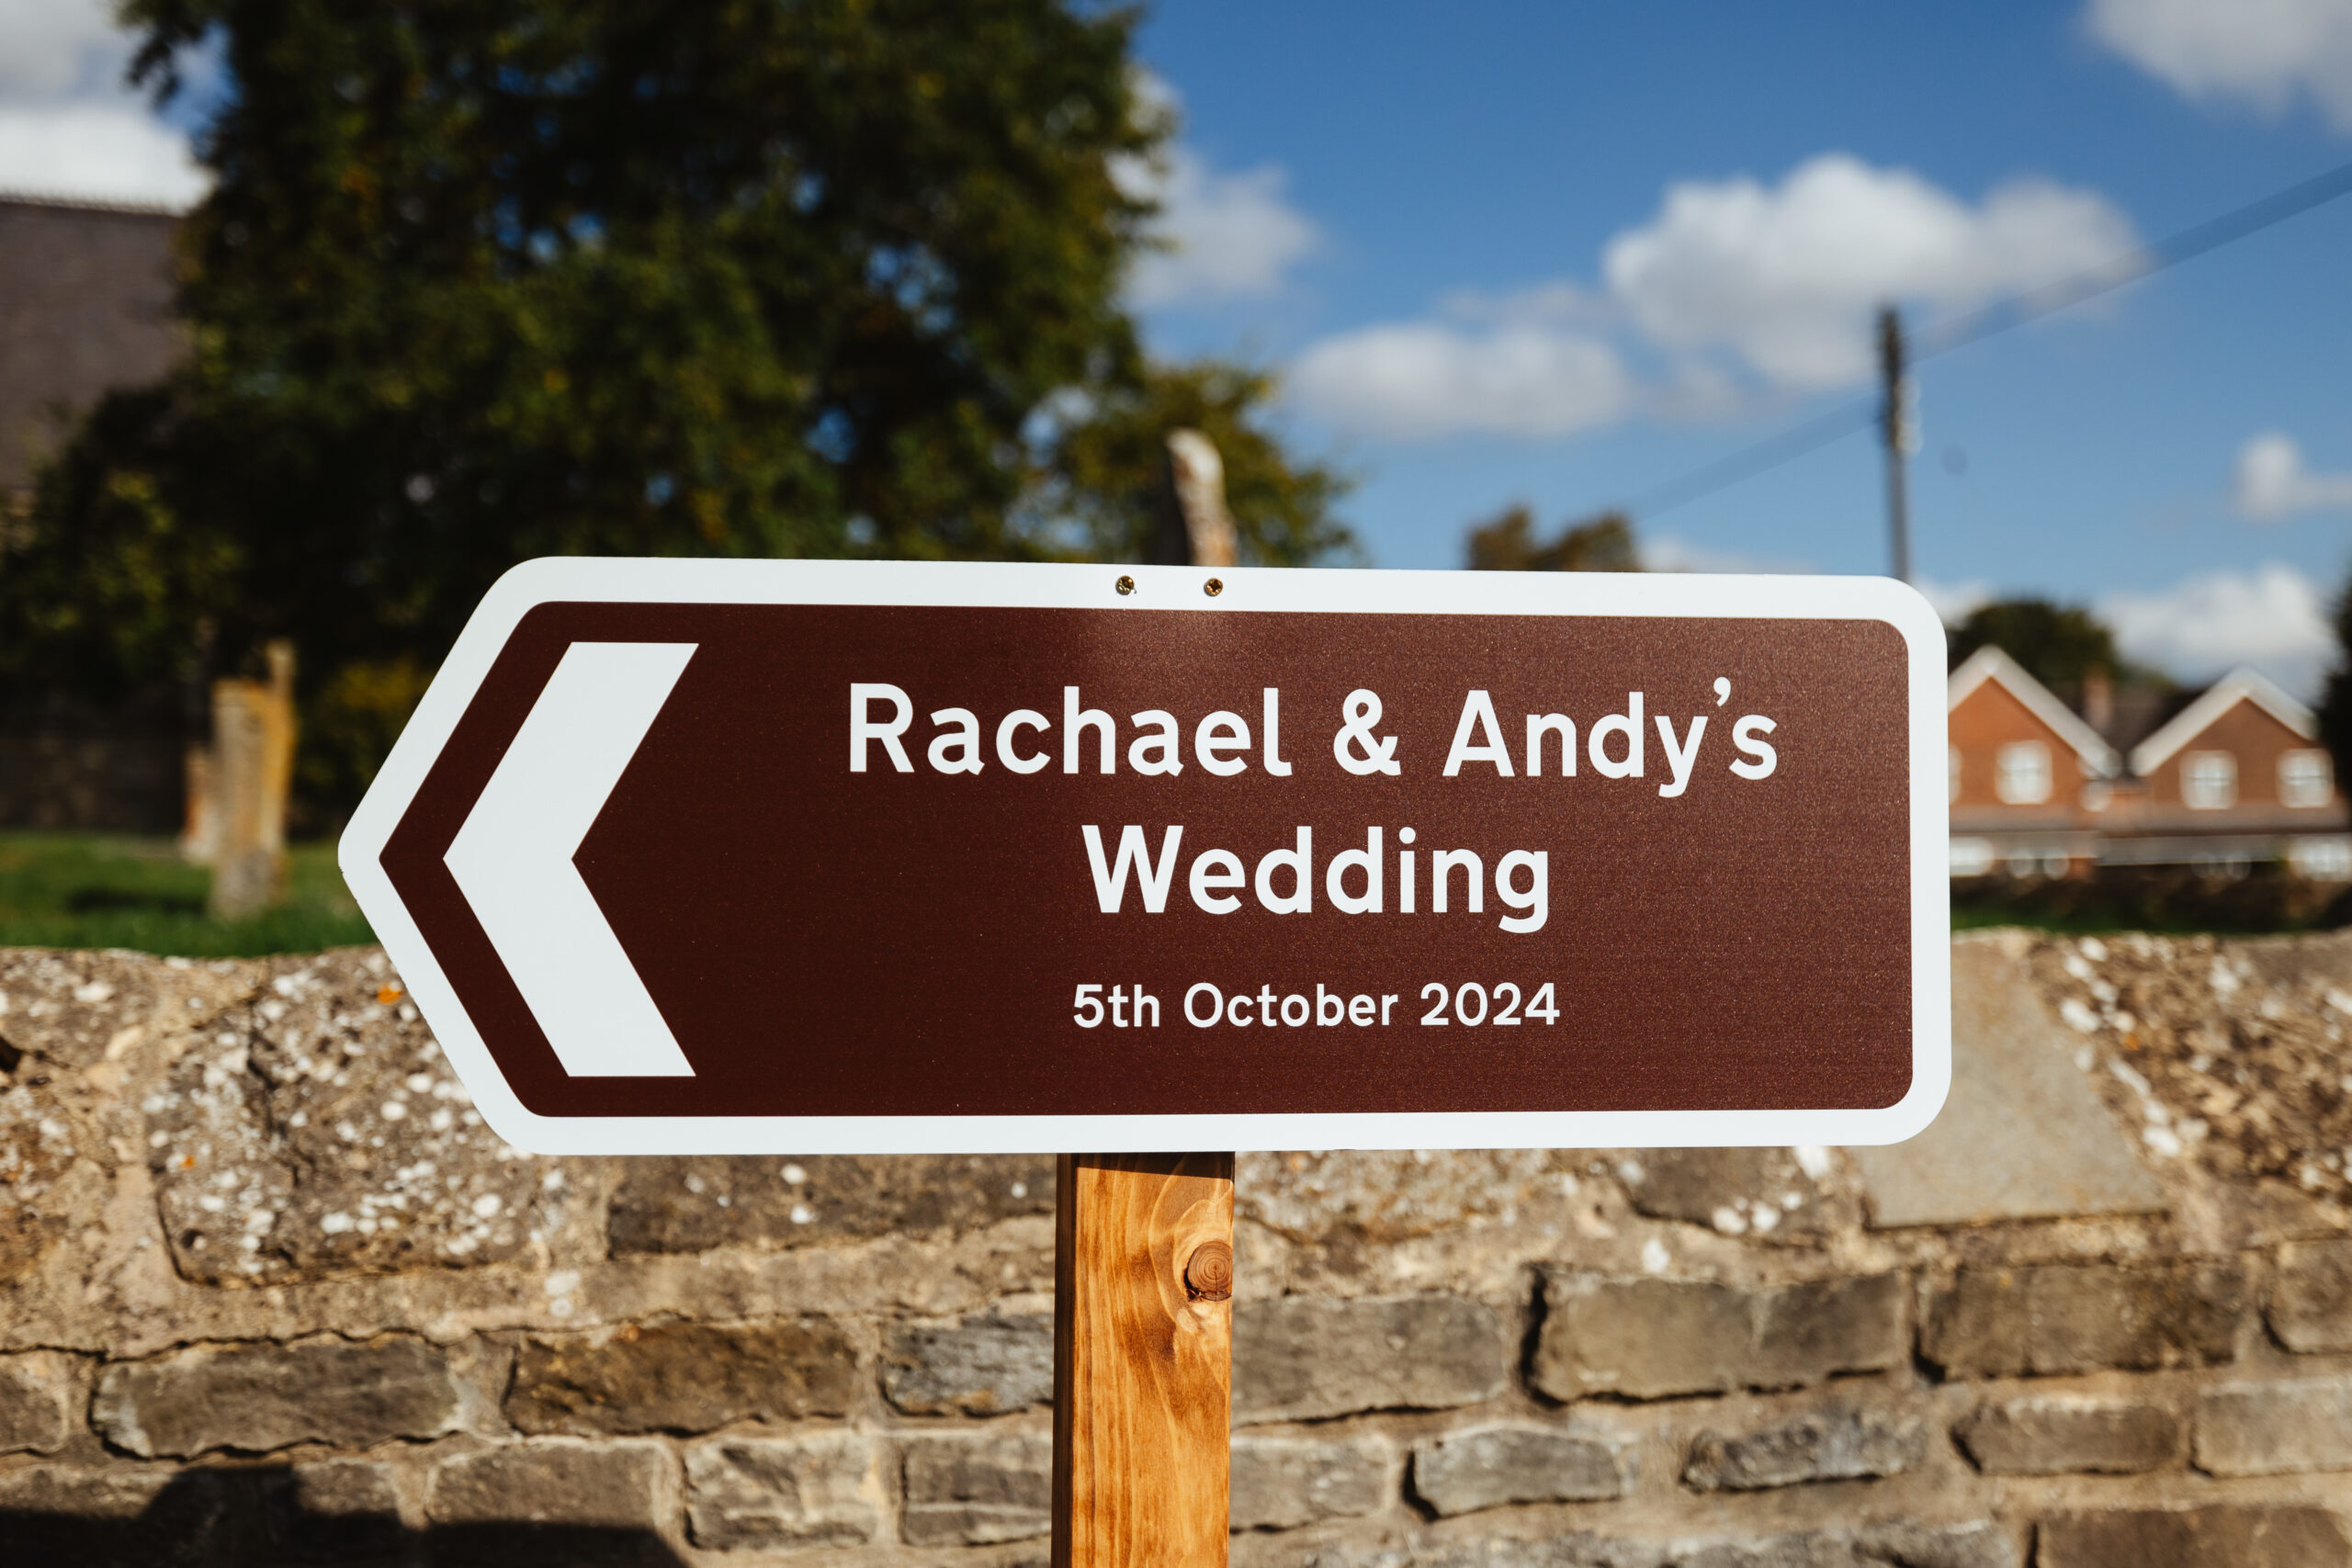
column 1954, row 601
column 2273, row 617
column 97, row 151
column 2266, row 54
column 2273, row 482
column 1730, row 286
column 1667, row 552
column 1231, row 234
column 1786, row 278
column 1418, row 379
column 51, row 48
column 69, row 125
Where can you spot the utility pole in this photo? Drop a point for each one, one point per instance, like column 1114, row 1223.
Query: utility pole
column 1894, row 423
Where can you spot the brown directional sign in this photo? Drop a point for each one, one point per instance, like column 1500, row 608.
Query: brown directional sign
column 807, row 856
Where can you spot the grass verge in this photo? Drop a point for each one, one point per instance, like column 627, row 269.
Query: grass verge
column 92, row 890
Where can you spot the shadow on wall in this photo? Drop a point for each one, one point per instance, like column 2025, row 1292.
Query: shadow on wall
column 260, row 1518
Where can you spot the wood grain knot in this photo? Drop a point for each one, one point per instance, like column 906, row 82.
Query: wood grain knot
column 1208, row 1274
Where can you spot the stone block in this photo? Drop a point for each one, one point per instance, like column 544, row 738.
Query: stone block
column 2023, row 1135
column 771, row 1493
column 1377, row 1197
column 2275, row 1428
column 976, row 1490
column 334, row 1511
column 114, row 1492
column 1763, row 1194
column 2061, row 1319
column 254, row 1398
column 1283, row 1482
column 1486, row 1466
column 1304, row 1357
column 2221, row 1535
column 38, row 1393
column 607, row 1486
column 1979, row 1545
column 1838, row 1443
column 121, row 1517
column 984, row 1365
column 40, row 1153
column 2311, row 1297
column 1657, row 1339
column 2069, row 1434
column 683, row 1377
column 697, row 1202
column 73, row 1007
column 314, row 1131
column 1578, row 1551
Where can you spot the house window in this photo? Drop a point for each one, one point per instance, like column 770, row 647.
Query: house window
column 2209, row 781
column 2305, row 778
column 2024, row 774
column 1951, row 772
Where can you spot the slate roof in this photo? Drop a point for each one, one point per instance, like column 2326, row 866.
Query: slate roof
column 85, row 306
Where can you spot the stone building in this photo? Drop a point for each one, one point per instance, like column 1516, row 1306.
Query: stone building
column 86, row 307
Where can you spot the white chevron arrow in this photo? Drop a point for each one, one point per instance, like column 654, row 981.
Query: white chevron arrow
column 513, row 859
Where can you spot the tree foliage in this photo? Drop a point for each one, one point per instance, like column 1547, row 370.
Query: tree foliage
column 1508, row 543
column 480, row 281
column 2059, row 645
column 2335, row 697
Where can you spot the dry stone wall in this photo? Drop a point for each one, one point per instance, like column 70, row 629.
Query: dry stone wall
column 270, row 1293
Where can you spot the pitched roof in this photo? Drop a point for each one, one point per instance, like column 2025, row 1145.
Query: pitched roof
column 2240, row 686
column 1989, row 663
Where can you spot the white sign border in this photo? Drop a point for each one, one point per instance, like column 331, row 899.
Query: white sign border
column 1246, row 591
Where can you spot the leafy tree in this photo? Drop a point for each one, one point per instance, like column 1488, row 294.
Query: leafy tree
column 1508, row 543
column 2059, row 645
column 2335, row 698
column 485, row 280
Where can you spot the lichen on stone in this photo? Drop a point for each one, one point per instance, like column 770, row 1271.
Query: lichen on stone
column 316, row 1130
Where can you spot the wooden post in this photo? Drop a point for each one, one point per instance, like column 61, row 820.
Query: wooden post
column 250, row 772
column 1143, row 1266
column 1143, row 1360
column 1193, row 528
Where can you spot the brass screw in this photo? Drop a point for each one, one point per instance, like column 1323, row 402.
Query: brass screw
column 1213, row 587
column 1208, row 1274
column 1125, row 585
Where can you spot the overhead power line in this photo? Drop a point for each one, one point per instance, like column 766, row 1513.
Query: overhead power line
column 2145, row 260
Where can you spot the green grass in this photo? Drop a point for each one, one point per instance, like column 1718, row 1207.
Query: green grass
column 1965, row 918
column 90, row 890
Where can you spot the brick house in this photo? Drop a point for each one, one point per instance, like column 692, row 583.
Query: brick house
column 2236, row 777
column 2028, row 777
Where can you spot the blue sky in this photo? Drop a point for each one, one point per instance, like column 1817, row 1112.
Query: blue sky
column 1563, row 255
column 1484, row 288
